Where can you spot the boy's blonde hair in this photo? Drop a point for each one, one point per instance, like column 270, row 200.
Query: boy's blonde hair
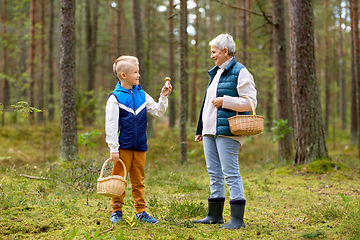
column 123, row 64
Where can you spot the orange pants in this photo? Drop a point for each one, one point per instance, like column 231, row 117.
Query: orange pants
column 135, row 164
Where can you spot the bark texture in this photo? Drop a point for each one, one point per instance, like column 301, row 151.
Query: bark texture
column 5, row 84
column 182, row 81
column 356, row 61
column 283, row 110
column 69, row 146
column 195, row 66
column 341, row 80
column 172, row 110
column 32, row 59
column 51, row 107
column 309, row 132
column 354, row 68
column 91, row 46
column 40, row 87
column 327, row 81
column 140, row 54
column 120, row 27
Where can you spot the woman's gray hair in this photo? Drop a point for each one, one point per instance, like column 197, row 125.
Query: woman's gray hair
column 224, row 41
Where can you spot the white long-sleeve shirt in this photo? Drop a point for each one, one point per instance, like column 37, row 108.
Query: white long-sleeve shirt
column 112, row 117
column 245, row 87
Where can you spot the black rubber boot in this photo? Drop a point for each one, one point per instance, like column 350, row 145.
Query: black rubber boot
column 214, row 216
column 237, row 215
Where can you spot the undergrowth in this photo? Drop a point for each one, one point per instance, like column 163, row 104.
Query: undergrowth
column 314, row 201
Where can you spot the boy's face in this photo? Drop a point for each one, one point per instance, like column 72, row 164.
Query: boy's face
column 131, row 77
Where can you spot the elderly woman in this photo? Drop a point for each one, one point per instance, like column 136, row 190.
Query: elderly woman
column 229, row 81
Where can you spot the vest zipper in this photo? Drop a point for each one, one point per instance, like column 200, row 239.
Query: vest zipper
column 135, row 120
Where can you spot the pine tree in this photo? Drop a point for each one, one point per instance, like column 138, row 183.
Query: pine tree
column 69, row 146
column 310, row 143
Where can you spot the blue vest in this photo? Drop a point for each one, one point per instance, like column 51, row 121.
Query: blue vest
column 132, row 117
column 226, row 86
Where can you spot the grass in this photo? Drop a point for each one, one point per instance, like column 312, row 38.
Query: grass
column 315, row 201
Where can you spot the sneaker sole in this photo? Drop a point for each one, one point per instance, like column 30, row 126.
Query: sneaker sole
column 116, row 221
column 148, row 222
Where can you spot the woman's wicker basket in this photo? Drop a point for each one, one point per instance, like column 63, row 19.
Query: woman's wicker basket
column 111, row 186
column 246, row 125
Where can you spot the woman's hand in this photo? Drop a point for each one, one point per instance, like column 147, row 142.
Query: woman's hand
column 166, row 90
column 114, row 156
column 198, row 138
column 217, row 102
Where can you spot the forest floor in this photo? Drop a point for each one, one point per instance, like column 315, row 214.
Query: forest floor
column 320, row 200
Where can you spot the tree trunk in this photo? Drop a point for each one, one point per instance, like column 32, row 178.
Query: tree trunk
column 139, row 45
column 110, row 84
column 24, row 80
column 40, row 87
column 91, row 34
column 113, row 50
column 186, row 57
column 283, row 110
column 319, row 62
column 182, row 80
column 244, row 36
column 195, row 66
column 119, row 26
column 238, row 29
column 172, row 110
column 51, row 107
column 355, row 36
column 140, row 54
column 149, row 36
column 211, row 17
column 6, row 89
column 342, row 96
column 327, row 81
column 226, row 18
column 248, row 32
column 69, row 145
column 32, row 58
column 89, row 59
column 354, row 72
column 310, row 140
column 270, row 86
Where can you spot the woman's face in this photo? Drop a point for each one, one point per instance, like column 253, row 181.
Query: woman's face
column 219, row 56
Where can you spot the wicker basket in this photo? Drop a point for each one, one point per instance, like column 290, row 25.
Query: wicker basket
column 111, row 186
column 246, row 125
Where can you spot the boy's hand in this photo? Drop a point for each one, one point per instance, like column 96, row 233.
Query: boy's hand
column 166, row 90
column 114, row 156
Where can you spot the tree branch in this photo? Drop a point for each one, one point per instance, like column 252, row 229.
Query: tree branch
column 248, row 10
column 265, row 16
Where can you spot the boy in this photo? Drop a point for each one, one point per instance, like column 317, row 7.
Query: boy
column 125, row 128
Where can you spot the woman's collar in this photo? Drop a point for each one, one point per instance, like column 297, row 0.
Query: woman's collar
column 223, row 66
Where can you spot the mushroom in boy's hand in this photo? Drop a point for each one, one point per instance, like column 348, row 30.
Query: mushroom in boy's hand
column 167, row 83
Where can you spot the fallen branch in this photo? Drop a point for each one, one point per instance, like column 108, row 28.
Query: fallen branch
column 110, row 229
column 33, row 177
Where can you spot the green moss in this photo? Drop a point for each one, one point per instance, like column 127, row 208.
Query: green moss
column 284, row 171
column 321, row 166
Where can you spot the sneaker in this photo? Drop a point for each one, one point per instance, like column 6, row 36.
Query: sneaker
column 144, row 217
column 116, row 216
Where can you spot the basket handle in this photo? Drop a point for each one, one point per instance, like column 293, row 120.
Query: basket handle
column 108, row 160
column 252, row 104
